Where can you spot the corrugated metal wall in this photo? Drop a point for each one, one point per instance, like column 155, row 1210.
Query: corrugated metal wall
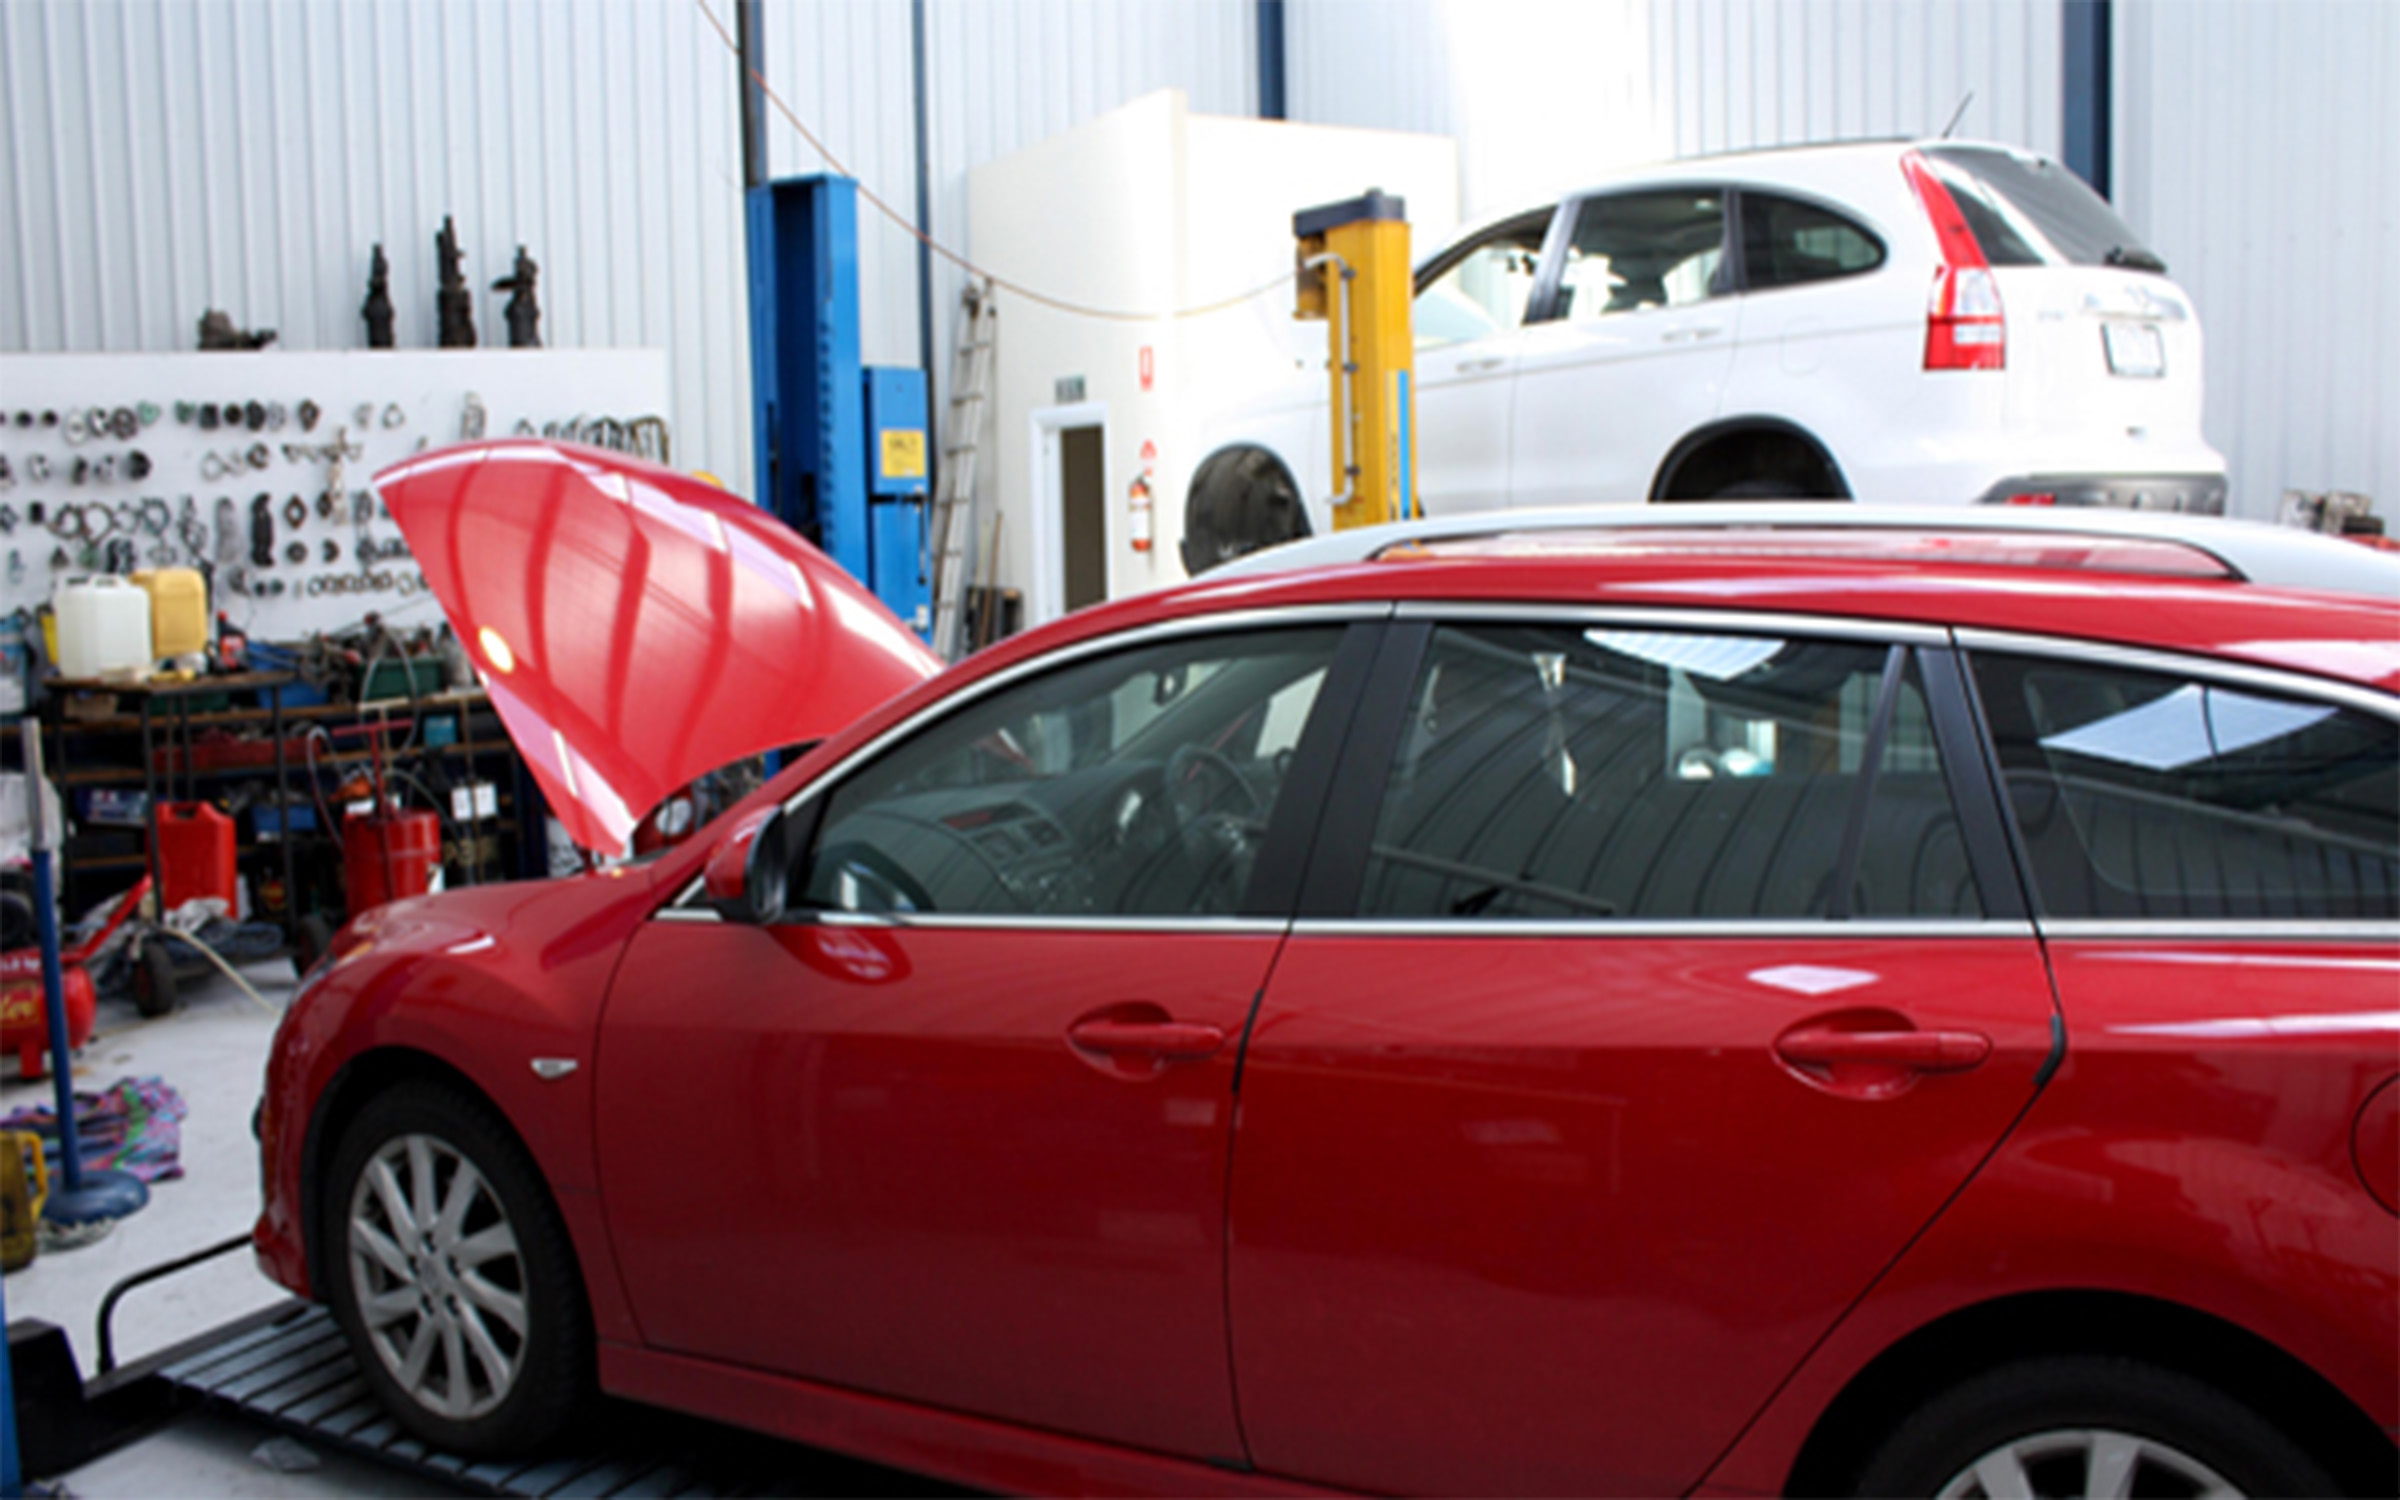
column 169, row 156
column 2258, row 150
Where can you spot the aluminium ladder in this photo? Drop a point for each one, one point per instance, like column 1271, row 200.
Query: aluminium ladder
column 962, row 432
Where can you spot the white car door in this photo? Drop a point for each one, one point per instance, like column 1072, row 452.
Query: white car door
column 1468, row 321
column 1633, row 353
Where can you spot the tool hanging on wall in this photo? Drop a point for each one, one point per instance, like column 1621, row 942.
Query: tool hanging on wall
column 454, row 303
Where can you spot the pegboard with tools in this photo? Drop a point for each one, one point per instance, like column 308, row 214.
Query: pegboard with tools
column 254, row 467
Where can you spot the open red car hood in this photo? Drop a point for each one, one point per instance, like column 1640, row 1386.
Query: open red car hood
column 637, row 627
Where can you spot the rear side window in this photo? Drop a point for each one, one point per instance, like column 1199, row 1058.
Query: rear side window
column 2145, row 794
column 1564, row 772
column 2028, row 210
column 1789, row 243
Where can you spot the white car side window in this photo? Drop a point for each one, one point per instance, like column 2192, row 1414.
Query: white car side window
column 1635, row 251
column 1485, row 291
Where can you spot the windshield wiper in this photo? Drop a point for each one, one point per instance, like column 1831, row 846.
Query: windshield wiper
column 2134, row 258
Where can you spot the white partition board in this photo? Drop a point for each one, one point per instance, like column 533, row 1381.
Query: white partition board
column 411, row 400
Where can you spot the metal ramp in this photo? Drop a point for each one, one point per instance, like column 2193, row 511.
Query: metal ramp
column 294, row 1372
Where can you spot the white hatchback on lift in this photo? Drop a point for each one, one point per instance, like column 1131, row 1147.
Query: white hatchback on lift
column 1937, row 321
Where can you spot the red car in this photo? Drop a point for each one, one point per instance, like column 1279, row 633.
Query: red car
column 1804, row 1008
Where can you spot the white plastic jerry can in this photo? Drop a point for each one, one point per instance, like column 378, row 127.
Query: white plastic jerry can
column 103, row 626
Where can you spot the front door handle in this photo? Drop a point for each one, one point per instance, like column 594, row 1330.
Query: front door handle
column 1479, row 366
column 1916, row 1051
column 1168, row 1041
column 1692, row 334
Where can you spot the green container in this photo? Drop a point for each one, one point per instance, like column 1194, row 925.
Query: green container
column 390, row 679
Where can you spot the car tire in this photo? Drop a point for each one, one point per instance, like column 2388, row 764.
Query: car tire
column 472, row 1330
column 1241, row 499
column 1768, row 487
column 2060, row 1424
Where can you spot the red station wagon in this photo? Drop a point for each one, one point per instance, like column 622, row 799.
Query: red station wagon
column 1778, row 1007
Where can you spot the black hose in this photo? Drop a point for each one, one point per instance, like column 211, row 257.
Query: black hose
column 108, row 1304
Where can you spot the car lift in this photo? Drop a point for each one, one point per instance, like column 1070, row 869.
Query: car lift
column 288, row 1368
column 1371, row 358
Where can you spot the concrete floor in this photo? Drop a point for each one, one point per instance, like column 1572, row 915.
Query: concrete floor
column 213, row 1051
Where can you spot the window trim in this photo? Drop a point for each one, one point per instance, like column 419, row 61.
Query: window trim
column 689, row 904
column 2196, row 668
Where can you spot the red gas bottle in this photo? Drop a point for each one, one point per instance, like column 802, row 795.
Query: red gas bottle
column 389, row 856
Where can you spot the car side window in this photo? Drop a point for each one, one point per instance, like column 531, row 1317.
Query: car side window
column 1789, row 243
column 1633, row 251
column 1135, row 784
column 1486, row 289
column 2147, row 794
column 1563, row 772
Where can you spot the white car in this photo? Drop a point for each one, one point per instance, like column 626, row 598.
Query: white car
column 1928, row 322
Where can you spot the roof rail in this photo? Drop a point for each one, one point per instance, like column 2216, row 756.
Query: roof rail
column 2248, row 551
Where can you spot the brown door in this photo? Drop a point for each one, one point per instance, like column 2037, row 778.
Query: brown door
column 1082, row 482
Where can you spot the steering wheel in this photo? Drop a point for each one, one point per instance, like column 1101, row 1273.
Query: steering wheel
column 1183, row 785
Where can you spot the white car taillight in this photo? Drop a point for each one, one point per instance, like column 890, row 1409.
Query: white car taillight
column 1964, row 325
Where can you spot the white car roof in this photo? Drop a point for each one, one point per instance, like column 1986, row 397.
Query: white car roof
column 2280, row 556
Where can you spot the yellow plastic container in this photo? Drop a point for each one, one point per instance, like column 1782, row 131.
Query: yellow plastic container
column 178, row 610
column 24, row 1184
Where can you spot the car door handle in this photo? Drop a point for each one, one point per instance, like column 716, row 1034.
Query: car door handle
column 1479, row 366
column 1691, row 335
column 1916, row 1051
column 1169, row 1041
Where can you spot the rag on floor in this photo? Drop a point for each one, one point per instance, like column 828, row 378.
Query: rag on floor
column 134, row 1125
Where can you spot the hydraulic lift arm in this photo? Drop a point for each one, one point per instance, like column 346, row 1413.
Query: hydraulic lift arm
column 1354, row 273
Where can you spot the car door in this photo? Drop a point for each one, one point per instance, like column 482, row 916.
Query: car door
column 1632, row 351
column 1673, row 980
column 955, row 1131
column 1467, row 319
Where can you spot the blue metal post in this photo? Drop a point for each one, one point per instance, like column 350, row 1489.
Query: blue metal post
column 80, row 1197
column 2088, row 94
column 12, row 1477
column 1270, row 60
column 804, row 361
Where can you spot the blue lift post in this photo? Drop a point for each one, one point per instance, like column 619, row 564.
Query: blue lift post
column 841, row 451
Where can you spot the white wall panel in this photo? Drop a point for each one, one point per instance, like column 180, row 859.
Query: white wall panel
column 2273, row 192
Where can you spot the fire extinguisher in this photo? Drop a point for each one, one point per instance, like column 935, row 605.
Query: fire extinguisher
column 1137, row 513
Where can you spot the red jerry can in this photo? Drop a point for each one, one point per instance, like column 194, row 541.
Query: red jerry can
column 195, row 854
column 386, row 858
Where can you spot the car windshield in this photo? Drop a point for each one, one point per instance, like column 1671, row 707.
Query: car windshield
column 2027, row 210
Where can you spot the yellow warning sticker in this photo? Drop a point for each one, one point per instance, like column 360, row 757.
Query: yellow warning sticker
column 903, row 453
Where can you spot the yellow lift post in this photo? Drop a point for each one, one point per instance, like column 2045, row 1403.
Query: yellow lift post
column 1355, row 274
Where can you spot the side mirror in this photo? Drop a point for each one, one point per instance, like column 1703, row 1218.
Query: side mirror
column 746, row 873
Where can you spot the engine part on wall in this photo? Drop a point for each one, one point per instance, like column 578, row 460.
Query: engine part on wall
column 331, row 550
column 8, row 476
column 308, row 412
column 472, row 418
column 76, row 429
column 137, row 465
column 394, row 415
column 262, row 532
column 452, row 302
column 524, row 310
column 295, row 552
column 119, row 556
column 8, row 519
column 229, row 533
column 295, row 512
column 37, row 468
column 207, row 417
column 377, row 309
column 190, row 532
column 217, row 332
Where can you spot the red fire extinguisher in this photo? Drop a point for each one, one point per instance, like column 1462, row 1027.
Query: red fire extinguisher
column 1137, row 513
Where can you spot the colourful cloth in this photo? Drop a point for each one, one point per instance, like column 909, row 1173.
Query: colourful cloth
column 135, row 1125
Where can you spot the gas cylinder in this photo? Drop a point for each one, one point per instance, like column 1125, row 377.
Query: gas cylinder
column 390, row 856
column 195, row 854
column 24, row 1184
column 24, row 1028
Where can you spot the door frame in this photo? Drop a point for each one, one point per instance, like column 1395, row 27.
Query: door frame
column 1046, row 579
